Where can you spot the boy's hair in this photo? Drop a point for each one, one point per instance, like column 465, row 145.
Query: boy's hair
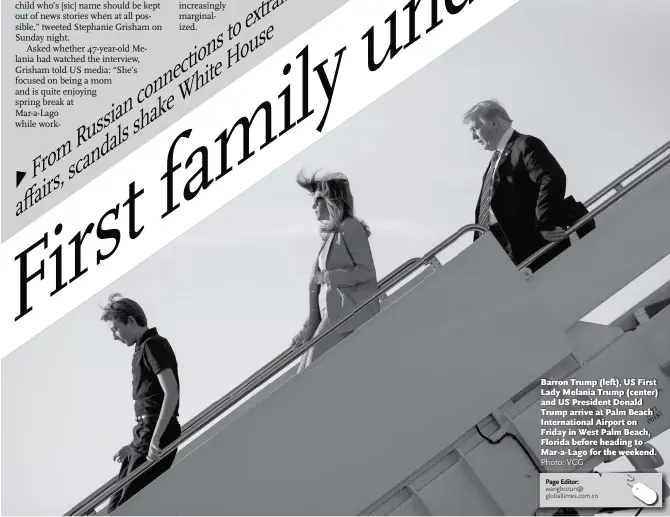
column 120, row 309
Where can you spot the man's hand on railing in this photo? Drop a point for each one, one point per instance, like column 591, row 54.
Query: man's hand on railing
column 122, row 454
column 556, row 234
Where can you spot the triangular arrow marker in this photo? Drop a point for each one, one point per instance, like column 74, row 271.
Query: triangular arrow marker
column 19, row 177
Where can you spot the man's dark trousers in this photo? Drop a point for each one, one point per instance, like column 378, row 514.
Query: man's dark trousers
column 139, row 448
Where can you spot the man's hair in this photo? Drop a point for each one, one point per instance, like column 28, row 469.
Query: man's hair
column 120, row 309
column 486, row 111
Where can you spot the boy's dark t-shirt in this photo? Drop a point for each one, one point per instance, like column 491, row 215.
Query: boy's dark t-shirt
column 153, row 354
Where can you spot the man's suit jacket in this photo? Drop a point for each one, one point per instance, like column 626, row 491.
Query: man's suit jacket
column 350, row 278
column 528, row 193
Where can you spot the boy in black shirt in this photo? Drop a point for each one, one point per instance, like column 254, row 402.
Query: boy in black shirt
column 155, row 392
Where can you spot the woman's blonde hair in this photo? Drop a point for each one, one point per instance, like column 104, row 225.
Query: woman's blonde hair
column 334, row 188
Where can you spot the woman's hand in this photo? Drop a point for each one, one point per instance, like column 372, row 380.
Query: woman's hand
column 321, row 277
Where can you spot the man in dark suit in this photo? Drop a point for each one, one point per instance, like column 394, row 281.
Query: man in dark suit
column 523, row 187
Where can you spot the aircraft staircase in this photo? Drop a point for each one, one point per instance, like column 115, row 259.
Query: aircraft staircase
column 432, row 406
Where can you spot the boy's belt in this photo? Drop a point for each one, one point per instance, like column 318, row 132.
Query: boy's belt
column 146, row 419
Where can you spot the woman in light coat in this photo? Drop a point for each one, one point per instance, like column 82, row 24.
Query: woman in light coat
column 344, row 272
